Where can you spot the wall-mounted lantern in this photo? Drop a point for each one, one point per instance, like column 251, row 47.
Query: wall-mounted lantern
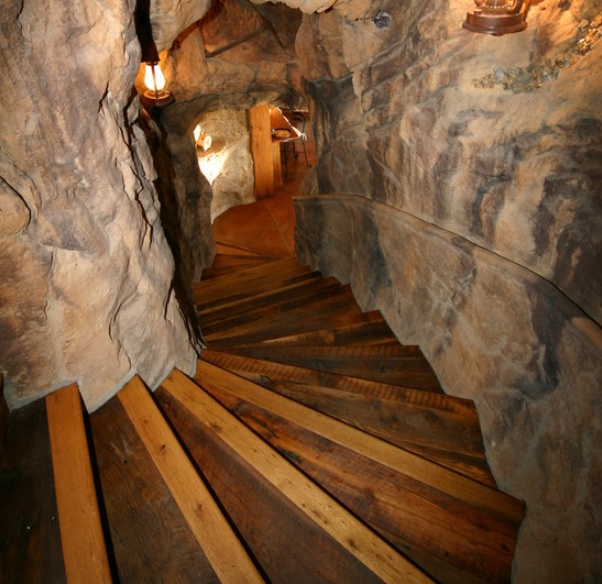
column 497, row 17
column 156, row 94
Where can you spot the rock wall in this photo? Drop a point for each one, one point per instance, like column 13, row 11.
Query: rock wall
column 459, row 190
column 227, row 164
column 86, row 293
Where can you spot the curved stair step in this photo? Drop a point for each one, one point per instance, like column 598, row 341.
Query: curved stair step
column 248, row 281
column 224, row 264
column 334, row 310
column 157, row 503
column 467, row 529
column 341, row 548
column 369, row 332
column 441, row 428
column 225, row 248
column 394, row 365
column 303, row 289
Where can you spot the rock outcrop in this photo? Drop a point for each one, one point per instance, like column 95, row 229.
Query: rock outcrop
column 86, row 293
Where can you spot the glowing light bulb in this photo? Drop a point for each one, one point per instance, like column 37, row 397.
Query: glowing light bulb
column 197, row 133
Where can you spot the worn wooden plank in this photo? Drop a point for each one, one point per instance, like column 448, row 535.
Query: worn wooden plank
column 460, row 522
column 30, row 542
column 421, row 522
column 266, row 519
column 446, row 433
column 223, row 247
column 226, row 264
column 337, row 310
column 323, row 510
column 276, row 299
column 211, row 529
column 431, row 475
column 394, row 364
column 237, row 311
column 268, row 373
column 251, row 281
column 146, row 525
column 376, row 332
column 84, row 550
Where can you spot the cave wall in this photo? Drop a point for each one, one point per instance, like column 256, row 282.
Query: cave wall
column 227, row 164
column 86, row 293
column 458, row 188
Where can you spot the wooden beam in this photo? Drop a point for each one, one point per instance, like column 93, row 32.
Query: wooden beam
column 351, row 533
column 261, row 148
column 222, row 547
column 82, row 538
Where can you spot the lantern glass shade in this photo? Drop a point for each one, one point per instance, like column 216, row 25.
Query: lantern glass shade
column 156, row 95
column 153, row 77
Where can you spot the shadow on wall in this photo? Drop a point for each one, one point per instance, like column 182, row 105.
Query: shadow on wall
column 171, row 216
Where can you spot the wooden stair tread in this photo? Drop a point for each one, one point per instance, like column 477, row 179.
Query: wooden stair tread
column 334, row 311
column 376, row 332
column 485, row 521
column 226, row 248
column 300, row 297
column 165, row 500
column 224, row 264
column 249, row 280
column 245, row 304
column 440, row 428
column 393, row 364
column 349, row 533
column 82, row 537
column 30, row 543
column 142, row 514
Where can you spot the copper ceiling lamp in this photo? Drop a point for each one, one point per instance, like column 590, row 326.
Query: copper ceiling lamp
column 497, row 17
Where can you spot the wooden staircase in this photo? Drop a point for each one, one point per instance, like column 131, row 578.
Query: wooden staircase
column 309, row 447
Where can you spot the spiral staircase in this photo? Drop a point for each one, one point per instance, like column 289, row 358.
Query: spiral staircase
column 310, row 446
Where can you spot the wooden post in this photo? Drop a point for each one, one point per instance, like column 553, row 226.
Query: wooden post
column 261, row 148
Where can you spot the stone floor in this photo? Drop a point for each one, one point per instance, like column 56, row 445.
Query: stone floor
column 267, row 226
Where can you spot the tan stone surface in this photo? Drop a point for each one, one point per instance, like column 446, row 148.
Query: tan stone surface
column 87, row 269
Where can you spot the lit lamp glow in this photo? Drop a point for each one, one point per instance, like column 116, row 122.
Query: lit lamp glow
column 202, row 140
column 156, row 94
column 497, row 17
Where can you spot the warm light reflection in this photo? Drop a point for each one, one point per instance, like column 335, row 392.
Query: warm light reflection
column 197, row 133
column 158, row 78
column 211, row 165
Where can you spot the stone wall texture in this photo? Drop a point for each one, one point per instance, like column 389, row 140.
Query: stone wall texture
column 459, row 190
column 86, row 291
